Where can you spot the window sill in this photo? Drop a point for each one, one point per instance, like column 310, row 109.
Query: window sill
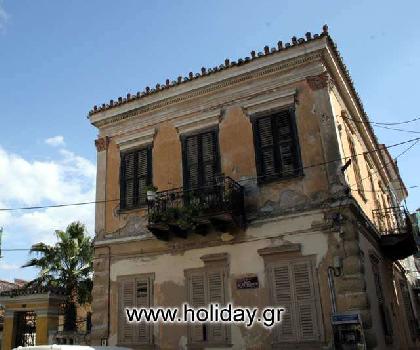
column 133, row 209
column 298, row 345
column 279, row 179
column 206, row 345
column 138, row 346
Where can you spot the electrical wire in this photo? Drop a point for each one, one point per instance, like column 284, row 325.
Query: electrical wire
column 417, row 139
column 380, row 123
column 386, row 164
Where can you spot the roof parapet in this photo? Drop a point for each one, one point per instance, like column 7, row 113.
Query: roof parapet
column 207, row 71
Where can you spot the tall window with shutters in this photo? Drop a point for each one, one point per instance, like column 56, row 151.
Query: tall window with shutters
column 135, row 175
column 408, row 308
column 201, row 161
column 205, row 286
column 383, row 308
column 134, row 291
column 276, row 146
column 356, row 169
column 292, row 287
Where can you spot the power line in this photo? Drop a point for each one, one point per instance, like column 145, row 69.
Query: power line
column 383, row 125
column 244, row 180
column 380, row 123
column 398, row 123
column 386, row 164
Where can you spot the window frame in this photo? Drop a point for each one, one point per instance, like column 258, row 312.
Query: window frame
column 150, row 277
column 198, row 133
column 384, row 312
column 221, row 266
column 149, row 177
column 271, row 260
column 262, row 178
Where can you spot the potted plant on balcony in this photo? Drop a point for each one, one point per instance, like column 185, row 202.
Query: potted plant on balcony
column 151, row 193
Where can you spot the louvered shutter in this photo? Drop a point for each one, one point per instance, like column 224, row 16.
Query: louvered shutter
column 305, row 303
column 143, row 297
column 192, row 162
column 282, row 293
column 276, row 142
column 136, row 174
column 197, row 298
column 128, row 180
column 215, row 287
column 265, row 145
column 127, row 299
column 201, row 161
column 286, row 144
column 142, row 174
column 208, row 158
column 408, row 309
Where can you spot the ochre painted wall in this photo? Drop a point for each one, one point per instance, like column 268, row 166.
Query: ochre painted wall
column 167, row 158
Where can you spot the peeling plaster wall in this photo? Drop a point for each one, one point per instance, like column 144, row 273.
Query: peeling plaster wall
column 393, row 299
column 169, row 283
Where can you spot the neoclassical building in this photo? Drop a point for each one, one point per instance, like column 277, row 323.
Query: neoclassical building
column 272, row 189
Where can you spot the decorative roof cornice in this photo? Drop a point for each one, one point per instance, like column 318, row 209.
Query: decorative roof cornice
column 209, row 71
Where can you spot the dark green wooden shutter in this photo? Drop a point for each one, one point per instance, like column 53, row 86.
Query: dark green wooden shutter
column 128, row 180
column 276, row 145
column 208, row 158
column 142, row 175
column 136, row 174
column 287, row 144
column 265, row 148
column 201, row 160
column 192, row 170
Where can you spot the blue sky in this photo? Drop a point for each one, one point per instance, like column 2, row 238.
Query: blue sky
column 59, row 58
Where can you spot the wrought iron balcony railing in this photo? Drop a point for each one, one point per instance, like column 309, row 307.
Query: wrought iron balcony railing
column 392, row 220
column 397, row 238
column 183, row 210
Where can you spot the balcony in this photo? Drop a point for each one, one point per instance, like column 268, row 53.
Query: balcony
column 397, row 237
column 181, row 211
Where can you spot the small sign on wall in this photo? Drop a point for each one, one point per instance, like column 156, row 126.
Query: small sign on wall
column 247, row 283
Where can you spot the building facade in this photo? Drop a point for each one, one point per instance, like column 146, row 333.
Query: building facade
column 267, row 172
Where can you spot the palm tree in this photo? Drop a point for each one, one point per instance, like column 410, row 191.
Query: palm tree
column 67, row 265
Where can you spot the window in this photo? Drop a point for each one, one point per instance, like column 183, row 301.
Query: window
column 136, row 174
column 134, row 291
column 383, row 309
column 356, row 169
column 201, row 160
column 207, row 285
column 292, row 286
column 276, row 146
column 408, row 307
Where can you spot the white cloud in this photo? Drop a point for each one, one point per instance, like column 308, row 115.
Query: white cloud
column 55, row 141
column 4, row 16
column 68, row 179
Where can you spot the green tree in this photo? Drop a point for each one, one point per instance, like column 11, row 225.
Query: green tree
column 68, row 265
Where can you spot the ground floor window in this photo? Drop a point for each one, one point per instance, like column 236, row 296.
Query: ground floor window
column 208, row 285
column 134, row 291
column 292, row 286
